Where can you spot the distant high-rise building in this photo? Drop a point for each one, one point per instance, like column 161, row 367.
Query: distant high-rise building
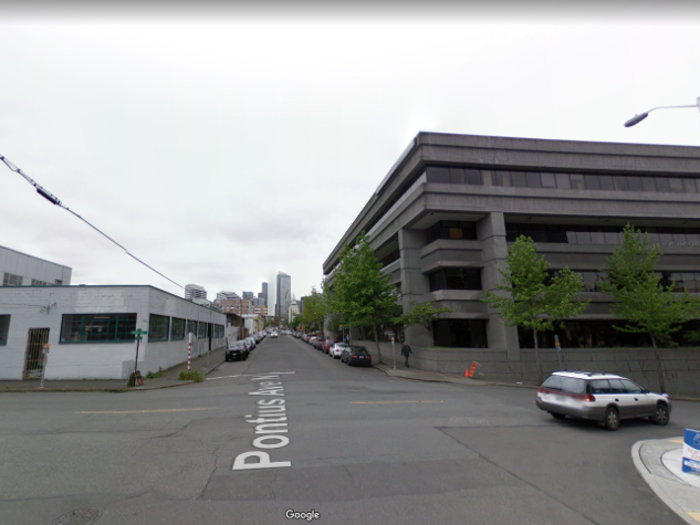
column 227, row 296
column 193, row 291
column 248, row 295
column 264, row 294
column 284, row 294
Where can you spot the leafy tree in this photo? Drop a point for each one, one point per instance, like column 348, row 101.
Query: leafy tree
column 423, row 314
column 641, row 299
column 296, row 321
column 362, row 295
column 314, row 311
column 531, row 299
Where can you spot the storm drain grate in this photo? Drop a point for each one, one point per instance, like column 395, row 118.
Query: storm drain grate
column 86, row 516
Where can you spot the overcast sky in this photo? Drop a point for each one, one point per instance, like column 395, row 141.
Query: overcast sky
column 223, row 145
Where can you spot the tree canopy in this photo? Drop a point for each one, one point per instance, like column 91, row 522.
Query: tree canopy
column 530, row 297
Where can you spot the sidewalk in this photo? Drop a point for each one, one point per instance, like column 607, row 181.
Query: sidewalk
column 168, row 378
column 658, row 461
column 438, row 377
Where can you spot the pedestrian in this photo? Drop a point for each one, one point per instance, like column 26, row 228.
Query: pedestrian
column 347, row 339
column 406, row 351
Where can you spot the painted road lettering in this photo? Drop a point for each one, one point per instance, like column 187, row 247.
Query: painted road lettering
column 270, row 420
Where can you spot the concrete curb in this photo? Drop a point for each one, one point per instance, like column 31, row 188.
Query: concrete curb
column 455, row 381
column 661, row 481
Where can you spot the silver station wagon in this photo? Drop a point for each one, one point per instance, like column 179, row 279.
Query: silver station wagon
column 603, row 397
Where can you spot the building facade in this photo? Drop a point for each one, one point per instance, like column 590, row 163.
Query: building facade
column 263, row 295
column 194, row 291
column 284, row 295
column 20, row 269
column 89, row 331
column 443, row 218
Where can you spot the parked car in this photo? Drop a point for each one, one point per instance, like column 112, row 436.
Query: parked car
column 356, row 355
column 251, row 342
column 336, row 350
column 274, row 335
column 327, row 345
column 237, row 351
column 602, row 397
column 318, row 343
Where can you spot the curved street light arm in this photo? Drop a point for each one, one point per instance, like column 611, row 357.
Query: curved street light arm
column 638, row 118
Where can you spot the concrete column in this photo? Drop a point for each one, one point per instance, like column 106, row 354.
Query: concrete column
column 414, row 285
column 491, row 231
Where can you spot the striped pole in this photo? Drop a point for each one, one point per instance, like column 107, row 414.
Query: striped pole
column 189, row 353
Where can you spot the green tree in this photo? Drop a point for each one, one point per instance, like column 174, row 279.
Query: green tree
column 423, row 314
column 641, row 299
column 362, row 295
column 530, row 298
column 315, row 310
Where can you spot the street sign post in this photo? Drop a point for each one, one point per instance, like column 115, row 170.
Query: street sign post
column 393, row 351
column 138, row 335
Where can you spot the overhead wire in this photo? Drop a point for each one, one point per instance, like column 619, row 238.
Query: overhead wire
column 54, row 200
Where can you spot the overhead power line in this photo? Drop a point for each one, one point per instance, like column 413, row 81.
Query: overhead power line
column 54, row 200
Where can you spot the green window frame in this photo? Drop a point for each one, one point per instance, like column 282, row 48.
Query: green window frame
column 158, row 327
column 97, row 328
column 192, row 327
column 177, row 330
column 202, row 330
column 4, row 328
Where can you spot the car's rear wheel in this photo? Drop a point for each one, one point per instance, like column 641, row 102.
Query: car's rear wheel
column 612, row 419
column 557, row 415
column 661, row 416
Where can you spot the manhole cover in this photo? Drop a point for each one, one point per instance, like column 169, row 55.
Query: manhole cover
column 78, row 517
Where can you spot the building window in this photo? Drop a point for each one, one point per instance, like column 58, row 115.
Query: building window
column 592, row 234
column 36, row 282
column 453, row 175
column 455, row 279
column 4, row 328
column 202, row 333
column 460, row 333
column 10, row 279
column 178, row 329
column 192, row 327
column 597, row 334
column 58, row 282
column 158, row 326
column 580, row 181
column 454, row 230
column 79, row 328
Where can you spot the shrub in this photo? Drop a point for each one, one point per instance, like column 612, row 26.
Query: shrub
column 191, row 375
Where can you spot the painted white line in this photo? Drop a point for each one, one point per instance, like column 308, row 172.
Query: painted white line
column 222, row 377
column 142, row 411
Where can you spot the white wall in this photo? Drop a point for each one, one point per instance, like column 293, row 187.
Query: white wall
column 29, row 308
column 30, row 268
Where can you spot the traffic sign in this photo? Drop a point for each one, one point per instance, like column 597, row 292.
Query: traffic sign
column 139, row 334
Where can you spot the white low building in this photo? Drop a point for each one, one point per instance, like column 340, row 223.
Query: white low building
column 89, row 331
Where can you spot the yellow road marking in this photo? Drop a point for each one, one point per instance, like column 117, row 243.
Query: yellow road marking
column 142, row 411
column 387, row 402
column 695, row 516
column 676, row 440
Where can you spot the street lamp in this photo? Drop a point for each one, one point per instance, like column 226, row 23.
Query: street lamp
column 638, row 118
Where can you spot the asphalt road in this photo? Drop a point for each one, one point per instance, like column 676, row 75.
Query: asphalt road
column 356, row 447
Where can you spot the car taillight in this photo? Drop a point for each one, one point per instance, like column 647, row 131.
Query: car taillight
column 353, row 357
column 541, row 390
column 584, row 397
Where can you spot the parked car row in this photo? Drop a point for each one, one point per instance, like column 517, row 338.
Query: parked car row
column 240, row 350
column 351, row 355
